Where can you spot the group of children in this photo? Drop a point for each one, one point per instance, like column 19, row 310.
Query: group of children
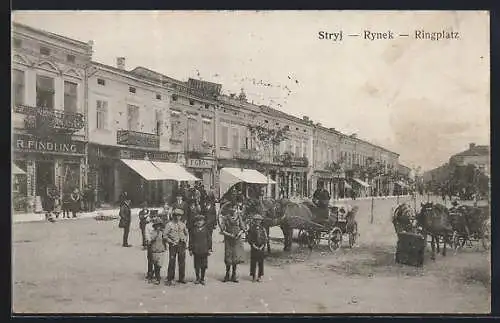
column 174, row 237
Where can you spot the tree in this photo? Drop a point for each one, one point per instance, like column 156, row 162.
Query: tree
column 266, row 139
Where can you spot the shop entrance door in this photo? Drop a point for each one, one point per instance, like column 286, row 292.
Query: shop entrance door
column 44, row 176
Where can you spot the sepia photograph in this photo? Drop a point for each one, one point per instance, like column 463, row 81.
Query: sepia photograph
column 214, row 162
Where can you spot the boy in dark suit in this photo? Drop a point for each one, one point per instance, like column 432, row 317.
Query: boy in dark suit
column 200, row 244
column 257, row 238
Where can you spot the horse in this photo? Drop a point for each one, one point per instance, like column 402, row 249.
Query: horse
column 435, row 221
column 403, row 218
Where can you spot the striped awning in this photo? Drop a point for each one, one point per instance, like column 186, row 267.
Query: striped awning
column 159, row 171
column 346, row 185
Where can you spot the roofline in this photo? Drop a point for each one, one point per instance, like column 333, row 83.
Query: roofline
column 126, row 73
column 47, row 33
column 162, row 75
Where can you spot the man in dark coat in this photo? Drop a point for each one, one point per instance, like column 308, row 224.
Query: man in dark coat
column 125, row 219
column 90, row 199
column 210, row 213
column 180, row 204
column 200, row 246
column 321, row 199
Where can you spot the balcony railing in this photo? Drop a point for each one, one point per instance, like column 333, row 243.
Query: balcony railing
column 290, row 160
column 202, row 149
column 248, row 154
column 139, row 139
column 52, row 120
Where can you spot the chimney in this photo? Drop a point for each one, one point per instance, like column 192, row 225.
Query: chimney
column 472, row 145
column 120, row 63
column 305, row 118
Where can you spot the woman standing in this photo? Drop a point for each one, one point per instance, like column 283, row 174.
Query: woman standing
column 75, row 201
column 232, row 228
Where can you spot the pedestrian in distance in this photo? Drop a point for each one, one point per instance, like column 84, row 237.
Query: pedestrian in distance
column 75, row 202
column 176, row 235
column 125, row 219
column 90, row 198
column 158, row 246
column 200, row 246
column 232, row 227
column 257, row 238
column 66, row 204
column 143, row 220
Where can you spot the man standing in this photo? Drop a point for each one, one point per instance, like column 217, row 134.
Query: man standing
column 75, row 201
column 179, row 204
column 125, row 220
column 90, row 199
column 321, row 197
column 176, row 235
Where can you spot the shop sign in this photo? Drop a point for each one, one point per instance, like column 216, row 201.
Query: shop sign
column 27, row 143
column 200, row 163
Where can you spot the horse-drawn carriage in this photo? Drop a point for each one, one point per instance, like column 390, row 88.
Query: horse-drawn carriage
column 340, row 223
column 470, row 224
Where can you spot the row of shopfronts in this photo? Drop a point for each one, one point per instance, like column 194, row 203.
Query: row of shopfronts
column 68, row 164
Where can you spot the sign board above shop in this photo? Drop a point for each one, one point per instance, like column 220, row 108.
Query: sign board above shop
column 199, row 163
column 55, row 145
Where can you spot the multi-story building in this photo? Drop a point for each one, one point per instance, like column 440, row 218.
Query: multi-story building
column 49, row 118
column 128, row 119
column 478, row 155
column 141, row 114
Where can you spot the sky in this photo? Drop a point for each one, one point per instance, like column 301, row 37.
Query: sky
column 424, row 99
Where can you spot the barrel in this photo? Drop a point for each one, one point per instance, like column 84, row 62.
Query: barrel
column 410, row 249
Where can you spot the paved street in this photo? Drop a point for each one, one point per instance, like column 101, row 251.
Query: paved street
column 79, row 266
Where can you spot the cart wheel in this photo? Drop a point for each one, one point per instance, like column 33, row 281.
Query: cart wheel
column 335, row 239
column 302, row 237
column 353, row 235
column 486, row 238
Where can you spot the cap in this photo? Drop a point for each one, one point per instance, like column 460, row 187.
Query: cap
column 258, row 217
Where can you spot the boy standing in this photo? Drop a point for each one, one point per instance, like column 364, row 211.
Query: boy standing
column 158, row 247
column 257, row 238
column 176, row 235
column 200, row 244
column 143, row 220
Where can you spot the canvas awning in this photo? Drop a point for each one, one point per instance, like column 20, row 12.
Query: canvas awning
column 346, row 185
column 17, row 171
column 176, row 172
column 159, row 171
column 360, row 182
column 231, row 176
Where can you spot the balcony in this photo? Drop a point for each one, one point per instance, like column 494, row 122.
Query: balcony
column 138, row 139
column 248, row 154
column 289, row 160
column 47, row 120
column 200, row 150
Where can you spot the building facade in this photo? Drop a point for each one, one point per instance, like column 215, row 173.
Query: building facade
column 478, row 155
column 128, row 118
column 49, row 111
column 75, row 120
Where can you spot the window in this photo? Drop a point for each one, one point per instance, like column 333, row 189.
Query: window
column 193, row 134
column 224, row 136
column 70, row 96
column 102, row 114
column 158, row 97
column 297, row 148
column 18, row 43
column 131, row 89
column 133, row 117
column 159, row 123
column 191, row 102
column 70, row 58
column 44, row 51
column 18, row 87
column 174, row 97
column 236, row 139
column 174, row 128
column 101, row 82
column 44, row 92
column 207, row 131
column 306, row 149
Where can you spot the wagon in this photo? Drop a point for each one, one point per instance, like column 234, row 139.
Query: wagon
column 340, row 223
column 470, row 224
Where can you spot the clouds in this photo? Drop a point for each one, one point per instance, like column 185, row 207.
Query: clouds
column 403, row 94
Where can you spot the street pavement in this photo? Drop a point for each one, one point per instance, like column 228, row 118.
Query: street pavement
column 80, row 267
